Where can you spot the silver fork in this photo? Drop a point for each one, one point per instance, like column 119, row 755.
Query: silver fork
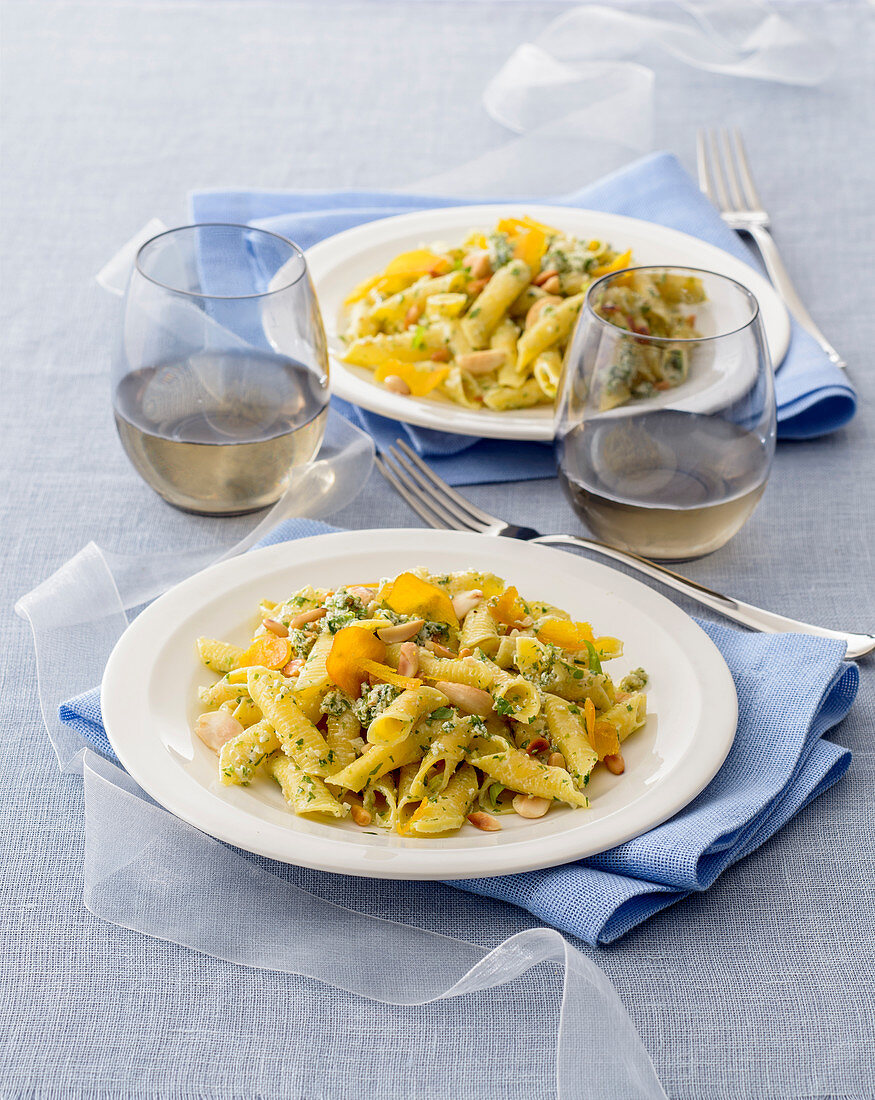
column 725, row 177
column 443, row 508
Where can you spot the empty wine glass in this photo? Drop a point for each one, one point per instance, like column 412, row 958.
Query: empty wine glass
column 220, row 384
column 665, row 421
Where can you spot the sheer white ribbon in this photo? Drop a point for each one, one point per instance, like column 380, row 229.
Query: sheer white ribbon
column 581, row 95
column 581, row 101
column 161, row 877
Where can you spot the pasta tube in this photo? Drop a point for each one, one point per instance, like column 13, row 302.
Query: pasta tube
column 240, row 757
column 305, row 794
column 398, row 719
column 527, row 775
column 555, row 324
column 445, row 812
column 298, row 737
column 484, row 315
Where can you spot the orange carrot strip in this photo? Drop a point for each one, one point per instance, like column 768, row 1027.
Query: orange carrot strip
column 269, row 651
column 388, row 675
column 352, row 646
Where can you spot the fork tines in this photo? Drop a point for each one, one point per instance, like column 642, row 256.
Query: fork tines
column 724, row 172
column 428, row 495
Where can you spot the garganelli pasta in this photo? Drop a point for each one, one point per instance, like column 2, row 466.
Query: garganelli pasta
column 419, row 703
column 487, row 324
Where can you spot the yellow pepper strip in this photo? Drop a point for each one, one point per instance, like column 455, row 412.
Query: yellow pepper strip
column 422, row 261
column 566, row 635
column 530, row 238
column 362, row 290
column 421, row 380
column 268, row 651
column 615, row 265
column 530, row 247
column 605, row 739
column 410, row 595
column 589, row 717
column 514, row 226
column 507, row 608
column 389, row 675
column 548, row 230
column 608, row 647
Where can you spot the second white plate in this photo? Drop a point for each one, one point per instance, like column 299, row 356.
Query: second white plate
column 339, row 263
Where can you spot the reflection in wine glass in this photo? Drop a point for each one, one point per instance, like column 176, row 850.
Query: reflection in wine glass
column 665, row 427
column 212, row 414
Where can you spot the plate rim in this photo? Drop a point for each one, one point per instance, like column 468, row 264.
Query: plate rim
column 115, row 699
column 350, row 384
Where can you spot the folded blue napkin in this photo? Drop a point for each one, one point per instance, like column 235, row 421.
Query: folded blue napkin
column 814, row 396
column 792, row 689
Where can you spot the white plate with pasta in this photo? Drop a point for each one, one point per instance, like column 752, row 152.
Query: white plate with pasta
column 155, row 691
column 459, row 400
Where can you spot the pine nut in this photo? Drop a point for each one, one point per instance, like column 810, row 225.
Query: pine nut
column 615, row 763
column 478, row 263
column 408, row 659
column 486, row 822
column 396, row 385
column 466, row 601
column 442, row 355
column 552, row 285
column 412, row 316
column 308, row 617
column 472, row 700
column 401, row 632
column 360, row 815
column 216, row 727
column 556, row 760
column 538, row 308
column 293, row 667
column 529, row 805
column 475, row 286
column 539, row 280
column 439, row 650
column 466, row 652
column 481, row 362
column 537, row 745
column 275, row 628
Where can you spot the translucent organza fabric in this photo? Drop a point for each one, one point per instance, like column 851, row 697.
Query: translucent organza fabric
column 581, row 96
column 161, row 877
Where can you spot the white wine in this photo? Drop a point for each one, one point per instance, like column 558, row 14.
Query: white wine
column 668, row 485
column 219, row 432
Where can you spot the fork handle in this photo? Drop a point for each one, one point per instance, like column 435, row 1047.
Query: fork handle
column 757, row 618
column 784, row 286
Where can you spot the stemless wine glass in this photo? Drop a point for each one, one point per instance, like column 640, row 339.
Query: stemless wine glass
column 220, row 384
column 664, row 444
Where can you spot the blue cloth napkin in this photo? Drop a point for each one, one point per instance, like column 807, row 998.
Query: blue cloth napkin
column 814, row 397
column 792, row 689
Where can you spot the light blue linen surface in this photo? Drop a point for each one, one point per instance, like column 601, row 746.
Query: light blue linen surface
column 791, row 689
column 814, row 397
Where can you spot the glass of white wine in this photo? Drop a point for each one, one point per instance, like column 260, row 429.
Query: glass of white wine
column 665, row 419
column 220, row 382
